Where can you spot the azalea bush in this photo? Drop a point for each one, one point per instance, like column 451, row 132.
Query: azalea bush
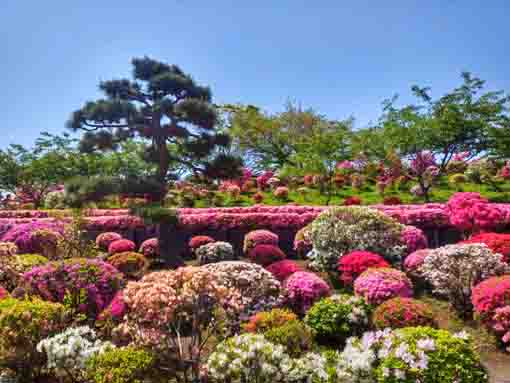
column 414, row 239
column 259, row 237
column 338, row 317
column 150, row 248
column 302, row 241
column 303, row 289
column 104, row 240
column 215, row 252
column 264, row 255
column 497, row 242
column 267, row 320
column 68, row 352
column 8, row 249
column 23, row 324
column 341, row 230
column 379, row 285
column 351, row 265
column 132, row 265
column 13, row 268
column 121, row 365
column 412, row 354
column 403, row 312
column 294, row 335
column 281, row 270
column 84, row 285
column 25, row 236
column 199, row 240
column 121, row 246
column 453, row 270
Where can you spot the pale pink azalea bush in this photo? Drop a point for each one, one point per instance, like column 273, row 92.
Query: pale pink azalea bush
column 380, row 284
column 303, row 289
column 454, row 270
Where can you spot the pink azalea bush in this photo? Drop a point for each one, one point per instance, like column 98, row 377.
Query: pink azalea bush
column 281, row 192
column 259, row 237
column 379, row 285
column 304, row 289
column 86, row 285
column 121, row 246
column 150, row 248
column 104, row 240
column 454, row 270
column 414, row 239
column 471, row 213
column 281, row 270
column 263, row 179
column 351, row 265
column 414, row 261
column 264, row 255
column 25, row 237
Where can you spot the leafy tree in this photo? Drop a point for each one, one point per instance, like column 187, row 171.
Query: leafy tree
column 465, row 119
column 162, row 105
column 165, row 107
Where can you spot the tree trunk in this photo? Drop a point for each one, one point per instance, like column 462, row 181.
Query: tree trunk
column 168, row 254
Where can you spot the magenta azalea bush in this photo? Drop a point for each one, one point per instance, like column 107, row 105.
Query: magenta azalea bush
column 259, row 237
column 86, row 285
column 303, row 289
column 281, row 270
column 121, row 246
column 150, row 248
column 104, row 240
column 379, row 285
column 25, row 237
column 414, row 239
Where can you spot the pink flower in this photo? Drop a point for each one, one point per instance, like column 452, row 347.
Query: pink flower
column 121, row 246
column 104, row 240
column 414, row 239
column 381, row 284
column 304, row 289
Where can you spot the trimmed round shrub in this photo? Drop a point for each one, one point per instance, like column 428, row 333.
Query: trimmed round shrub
column 121, row 246
column 497, row 242
column 414, row 239
column 403, row 312
column 293, row 335
column 3, row 293
column 281, row 192
column 47, row 242
column 412, row 354
column 12, row 268
column 104, row 240
column 85, row 285
column 379, row 285
column 8, row 249
column 304, row 289
column 351, row 265
column 252, row 281
column 150, row 248
column 414, row 261
column 23, row 324
column 26, row 238
column 259, row 237
column 491, row 294
column 120, row 365
column 55, row 200
column 341, row 230
column 132, row 265
column 302, row 240
column 199, row 241
column 264, row 255
column 281, row 270
column 267, row 320
column 336, row 318
column 215, row 252
column 453, row 270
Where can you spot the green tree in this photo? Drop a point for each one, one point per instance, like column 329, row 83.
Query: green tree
column 466, row 119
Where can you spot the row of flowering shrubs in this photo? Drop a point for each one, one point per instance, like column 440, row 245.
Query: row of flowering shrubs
column 118, row 318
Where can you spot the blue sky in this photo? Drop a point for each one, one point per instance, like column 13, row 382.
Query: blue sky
column 340, row 57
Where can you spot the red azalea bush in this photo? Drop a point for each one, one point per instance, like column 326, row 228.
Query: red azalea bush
column 104, row 240
column 150, row 248
column 87, row 285
column 351, row 265
column 379, row 285
column 414, row 239
column 392, row 200
column 121, row 246
column 199, row 240
column 304, row 289
column 469, row 212
column 266, row 254
column 281, row 270
column 259, row 237
column 403, row 312
column 3, row 293
column 352, row 201
column 498, row 243
column 491, row 294
column 258, row 197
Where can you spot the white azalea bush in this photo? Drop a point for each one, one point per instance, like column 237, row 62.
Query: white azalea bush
column 215, row 252
column 341, row 230
column 67, row 353
column 409, row 355
column 453, row 271
column 251, row 358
